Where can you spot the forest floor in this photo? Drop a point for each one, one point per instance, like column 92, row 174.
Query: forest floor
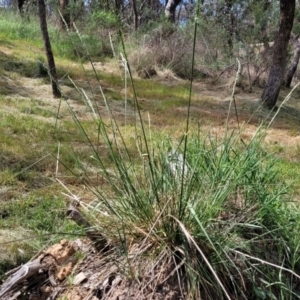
column 33, row 124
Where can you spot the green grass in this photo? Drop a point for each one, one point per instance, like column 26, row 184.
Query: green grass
column 152, row 90
column 8, row 178
column 42, row 221
column 32, row 210
column 34, row 110
column 40, row 214
column 13, row 28
column 232, row 200
column 148, row 89
column 290, row 173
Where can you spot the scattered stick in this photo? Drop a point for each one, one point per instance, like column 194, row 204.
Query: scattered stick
column 100, row 241
column 267, row 263
column 37, row 266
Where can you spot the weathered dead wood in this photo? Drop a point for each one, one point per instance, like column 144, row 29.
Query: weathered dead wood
column 100, row 242
column 37, row 266
column 57, row 257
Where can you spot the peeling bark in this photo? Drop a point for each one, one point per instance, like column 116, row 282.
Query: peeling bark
column 42, row 275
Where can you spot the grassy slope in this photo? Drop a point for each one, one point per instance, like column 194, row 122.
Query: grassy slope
column 33, row 128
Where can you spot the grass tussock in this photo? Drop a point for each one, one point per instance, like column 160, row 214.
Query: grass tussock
column 197, row 218
column 207, row 220
column 168, row 47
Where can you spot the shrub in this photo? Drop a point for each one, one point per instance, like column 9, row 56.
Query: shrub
column 169, row 47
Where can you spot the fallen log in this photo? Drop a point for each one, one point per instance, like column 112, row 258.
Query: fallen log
column 56, row 263
column 52, row 266
column 37, row 266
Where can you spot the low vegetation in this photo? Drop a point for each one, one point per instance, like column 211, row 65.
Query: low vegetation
column 204, row 207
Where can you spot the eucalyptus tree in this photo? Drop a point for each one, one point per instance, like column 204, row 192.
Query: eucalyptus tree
column 295, row 42
column 276, row 74
column 170, row 9
column 48, row 49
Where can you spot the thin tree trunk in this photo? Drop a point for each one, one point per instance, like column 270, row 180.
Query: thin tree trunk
column 230, row 25
column 135, row 15
column 20, row 6
column 170, row 9
column 49, row 54
column 274, row 82
column 294, row 64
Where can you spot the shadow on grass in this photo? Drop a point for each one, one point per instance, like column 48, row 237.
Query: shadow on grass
column 26, row 68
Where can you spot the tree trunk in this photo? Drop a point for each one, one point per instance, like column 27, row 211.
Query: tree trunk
column 20, row 6
column 170, row 9
column 135, row 14
column 118, row 6
column 274, row 82
column 294, row 64
column 23, row 7
column 231, row 25
column 65, row 16
column 50, row 58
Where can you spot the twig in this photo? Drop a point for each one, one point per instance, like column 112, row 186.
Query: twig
column 267, row 263
column 57, row 160
column 76, row 215
column 238, row 73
